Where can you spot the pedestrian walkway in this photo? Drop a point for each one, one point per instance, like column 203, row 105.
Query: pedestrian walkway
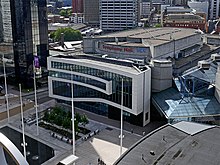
column 89, row 151
column 94, row 148
column 126, row 126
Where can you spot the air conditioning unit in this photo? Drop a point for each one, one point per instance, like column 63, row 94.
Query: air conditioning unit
column 204, row 64
column 215, row 57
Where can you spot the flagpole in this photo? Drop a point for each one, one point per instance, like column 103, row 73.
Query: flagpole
column 22, row 123
column 35, row 97
column 6, row 89
column 121, row 136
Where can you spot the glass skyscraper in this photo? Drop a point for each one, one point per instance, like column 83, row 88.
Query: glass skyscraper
column 29, row 37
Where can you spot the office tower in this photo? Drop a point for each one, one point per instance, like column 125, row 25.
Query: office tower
column 200, row 6
column 77, row 6
column 214, row 9
column 5, row 19
column 118, row 14
column 25, row 23
column 145, row 8
column 91, row 12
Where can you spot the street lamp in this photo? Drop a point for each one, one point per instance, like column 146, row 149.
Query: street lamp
column 121, row 136
column 73, row 124
column 35, row 94
column 6, row 89
column 22, row 123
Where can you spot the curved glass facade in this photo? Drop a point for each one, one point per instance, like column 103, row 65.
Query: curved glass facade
column 64, row 89
column 78, row 78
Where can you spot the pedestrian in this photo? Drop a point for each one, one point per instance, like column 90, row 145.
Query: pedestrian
column 143, row 133
column 131, row 130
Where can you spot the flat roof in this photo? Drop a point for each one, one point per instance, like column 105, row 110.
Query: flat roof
column 213, row 36
column 192, row 128
column 151, row 36
column 153, row 33
column 109, row 66
column 103, row 63
column 170, row 144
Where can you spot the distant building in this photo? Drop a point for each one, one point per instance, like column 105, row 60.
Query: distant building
column 171, row 2
column 55, row 18
column 77, row 18
column 5, row 21
column 67, row 2
column 184, row 21
column 200, row 6
column 145, row 8
column 214, row 9
column 118, row 15
column 91, row 12
column 217, row 27
column 77, row 6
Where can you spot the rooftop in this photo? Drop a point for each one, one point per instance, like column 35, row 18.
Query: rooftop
column 104, row 64
column 181, row 143
column 153, row 33
column 174, row 105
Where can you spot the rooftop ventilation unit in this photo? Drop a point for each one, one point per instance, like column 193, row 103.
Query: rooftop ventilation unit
column 204, row 64
column 215, row 57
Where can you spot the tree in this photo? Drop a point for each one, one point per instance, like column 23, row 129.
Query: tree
column 66, row 123
column 65, row 13
column 78, row 117
column 46, row 116
column 69, row 34
column 84, row 120
column 158, row 25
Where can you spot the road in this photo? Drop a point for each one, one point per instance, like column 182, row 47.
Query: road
column 42, row 96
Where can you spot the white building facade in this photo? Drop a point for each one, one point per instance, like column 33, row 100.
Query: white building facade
column 98, row 86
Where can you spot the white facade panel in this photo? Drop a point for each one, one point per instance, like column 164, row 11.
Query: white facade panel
column 141, row 87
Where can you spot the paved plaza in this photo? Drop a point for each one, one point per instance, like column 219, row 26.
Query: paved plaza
column 104, row 146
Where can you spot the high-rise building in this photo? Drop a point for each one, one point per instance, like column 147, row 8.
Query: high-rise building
column 118, row 14
column 200, row 6
column 145, row 8
column 91, row 12
column 77, row 6
column 25, row 24
column 214, row 9
column 5, row 19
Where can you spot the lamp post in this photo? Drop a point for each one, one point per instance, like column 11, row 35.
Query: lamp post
column 6, row 89
column 35, row 96
column 73, row 124
column 22, row 123
column 121, row 136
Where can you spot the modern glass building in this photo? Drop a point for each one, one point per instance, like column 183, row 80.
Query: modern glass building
column 29, row 31
column 98, row 86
